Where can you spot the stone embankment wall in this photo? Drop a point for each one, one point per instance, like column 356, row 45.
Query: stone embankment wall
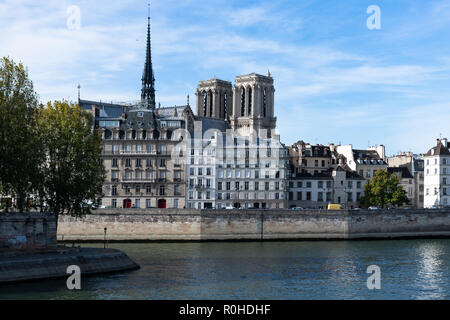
column 185, row 225
column 17, row 266
column 27, row 230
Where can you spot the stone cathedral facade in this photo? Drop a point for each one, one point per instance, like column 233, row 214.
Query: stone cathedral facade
column 138, row 144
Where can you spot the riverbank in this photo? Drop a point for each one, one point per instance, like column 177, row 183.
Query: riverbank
column 124, row 225
column 20, row 266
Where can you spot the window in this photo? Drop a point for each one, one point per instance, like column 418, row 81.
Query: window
column 299, row 196
column 175, row 203
column 308, row 195
column 308, row 184
column 265, row 103
column 162, row 191
column 350, row 197
column 114, row 163
column 320, row 197
column 148, row 203
column 242, row 102
column 148, row 189
column 114, row 203
column 138, row 203
column 114, row 191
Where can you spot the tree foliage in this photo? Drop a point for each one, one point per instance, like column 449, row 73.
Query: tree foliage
column 383, row 190
column 48, row 153
column 20, row 147
column 73, row 174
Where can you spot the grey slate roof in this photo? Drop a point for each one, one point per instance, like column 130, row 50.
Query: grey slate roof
column 402, row 171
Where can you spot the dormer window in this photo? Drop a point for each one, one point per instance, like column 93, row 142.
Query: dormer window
column 140, row 114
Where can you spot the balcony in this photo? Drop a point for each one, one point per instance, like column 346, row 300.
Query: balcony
column 138, row 180
column 135, row 152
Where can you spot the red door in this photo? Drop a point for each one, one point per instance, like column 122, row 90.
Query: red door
column 162, row 204
column 127, row 203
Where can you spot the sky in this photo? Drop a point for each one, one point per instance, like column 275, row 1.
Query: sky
column 336, row 80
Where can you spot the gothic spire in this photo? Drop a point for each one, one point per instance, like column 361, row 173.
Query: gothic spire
column 148, row 79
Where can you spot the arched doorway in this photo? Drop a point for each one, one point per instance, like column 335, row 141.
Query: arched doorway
column 162, row 204
column 127, row 203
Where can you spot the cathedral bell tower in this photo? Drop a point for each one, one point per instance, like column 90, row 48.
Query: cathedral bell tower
column 253, row 104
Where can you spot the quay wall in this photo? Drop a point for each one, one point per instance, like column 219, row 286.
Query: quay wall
column 216, row 225
column 27, row 230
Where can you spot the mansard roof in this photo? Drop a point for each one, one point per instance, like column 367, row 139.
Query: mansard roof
column 107, row 110
column 440, row 149
column 213, row 123
column 402, row 171
column 171, row 113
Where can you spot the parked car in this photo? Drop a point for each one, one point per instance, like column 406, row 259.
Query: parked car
column 229, row 208
column 332, row 206
column 373, row 208
column 297, row 208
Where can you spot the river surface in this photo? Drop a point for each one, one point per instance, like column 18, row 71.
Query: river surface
column 410, row 269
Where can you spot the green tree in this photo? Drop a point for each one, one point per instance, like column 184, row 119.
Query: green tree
column 20, row 147
column 384, row 189
column 73, row 173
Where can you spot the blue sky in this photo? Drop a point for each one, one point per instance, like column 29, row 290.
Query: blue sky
column 336, row 80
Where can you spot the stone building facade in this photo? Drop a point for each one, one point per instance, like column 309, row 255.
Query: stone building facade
column 414, row 166
column 137, row 148
column 437, row 175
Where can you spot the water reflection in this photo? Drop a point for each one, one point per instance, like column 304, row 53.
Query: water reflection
column 430, row 277
column 270, row 270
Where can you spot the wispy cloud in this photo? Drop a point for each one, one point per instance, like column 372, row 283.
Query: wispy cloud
column 335, row 80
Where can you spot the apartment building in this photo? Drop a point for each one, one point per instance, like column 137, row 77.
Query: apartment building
column 437, row 175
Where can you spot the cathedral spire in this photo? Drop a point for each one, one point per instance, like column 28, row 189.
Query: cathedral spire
column 148, row 78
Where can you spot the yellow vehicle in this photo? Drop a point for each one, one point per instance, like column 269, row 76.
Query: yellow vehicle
column 332, row 206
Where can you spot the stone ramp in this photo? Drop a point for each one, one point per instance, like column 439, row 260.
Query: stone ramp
column 26, row 266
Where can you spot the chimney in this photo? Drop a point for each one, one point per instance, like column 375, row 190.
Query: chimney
column 444, row 142
column 331, row 147
column 438, row 141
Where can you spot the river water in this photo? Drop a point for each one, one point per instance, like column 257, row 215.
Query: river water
column 410, row 269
